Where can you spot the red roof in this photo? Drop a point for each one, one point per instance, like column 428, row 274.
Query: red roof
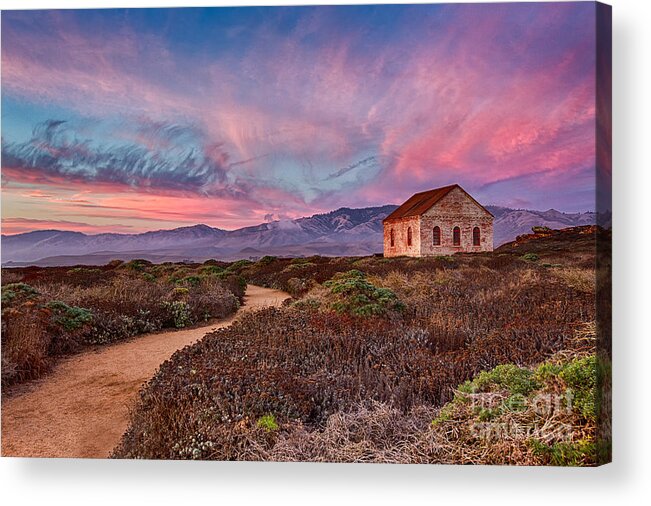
column 419, row 203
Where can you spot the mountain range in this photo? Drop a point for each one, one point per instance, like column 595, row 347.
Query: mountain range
column 346, row 231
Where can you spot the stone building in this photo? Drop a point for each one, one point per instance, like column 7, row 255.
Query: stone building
column 438, row 222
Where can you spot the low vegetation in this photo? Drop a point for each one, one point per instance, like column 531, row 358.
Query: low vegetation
column 475, row 359
column 352, row 293
column 392, row 360
column 509, row 415
column 49, row 312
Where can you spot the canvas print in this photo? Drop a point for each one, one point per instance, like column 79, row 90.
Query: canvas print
column 375, row 233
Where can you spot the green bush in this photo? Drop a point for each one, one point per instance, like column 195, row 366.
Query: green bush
column 579, row 453
column 530, row 257
column 239, row 264
column 354, row 294
column 179, row 313
column 516, row 380
column 180, row 291
column 581, row 377
column 84, row 270
column 138, row 264
column 298, row 266
column 267, row 259
column 69, row 317
column 148, row 277
column 211, row 270
column 13, row 291
column 190, row 281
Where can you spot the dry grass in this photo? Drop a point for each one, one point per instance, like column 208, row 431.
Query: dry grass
column 543, row 428
column 581, row 279
column 10, row 276
column 24, row 346
column 62, row 310
column 317, row 371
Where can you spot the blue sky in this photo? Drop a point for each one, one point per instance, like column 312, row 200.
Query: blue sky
column 138, row 119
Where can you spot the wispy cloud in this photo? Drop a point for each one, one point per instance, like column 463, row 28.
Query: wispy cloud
column 21, row 225
column 361, row 164
column 168, row 156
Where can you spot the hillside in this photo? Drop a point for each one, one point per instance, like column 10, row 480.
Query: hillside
column 510, row 223
column 396, row 360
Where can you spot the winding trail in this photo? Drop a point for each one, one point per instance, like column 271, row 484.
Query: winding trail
column 81, row 408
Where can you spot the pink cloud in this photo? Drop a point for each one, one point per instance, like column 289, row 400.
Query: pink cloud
column 20, row 225
column 479, row 99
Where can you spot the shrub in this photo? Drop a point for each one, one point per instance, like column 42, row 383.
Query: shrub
column 25, row 343
column 579, row 453
column 190, row 281
column 267, row 259
column 137, row 264
column 211, row 270
column 298, row 266
column 354, row 294
column 148, row 277
column 178, row 312
column 177, row 275
column 516, row 380
column 318, row 364
column 80, row 306
column 67, row 327
column 84, row 270
column 297, row 286
column 14, row 292
column 530, row 257
column 213, row 299
column 69, row 317
column 238, row 265
column 581, row 377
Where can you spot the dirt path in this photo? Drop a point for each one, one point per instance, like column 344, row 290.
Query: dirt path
column 81, row 408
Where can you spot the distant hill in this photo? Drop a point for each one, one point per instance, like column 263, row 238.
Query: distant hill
column 510, row 223
column 342, row 232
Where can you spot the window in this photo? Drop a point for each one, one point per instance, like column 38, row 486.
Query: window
column 476, row 238
column 393, row 238
column 409, row 236
column 456, row 236
column 436, row 236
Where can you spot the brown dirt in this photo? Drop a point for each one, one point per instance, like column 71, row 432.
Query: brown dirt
column 81, row 409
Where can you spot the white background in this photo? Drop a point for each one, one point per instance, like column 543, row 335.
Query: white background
column 626, row 481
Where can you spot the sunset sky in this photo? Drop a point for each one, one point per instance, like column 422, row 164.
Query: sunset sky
column 141, row 119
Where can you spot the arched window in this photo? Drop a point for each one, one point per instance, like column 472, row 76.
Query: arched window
column 393, row 238
column 476, row 238
column 436, row 236
column 409, row 236
column 456, row 236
